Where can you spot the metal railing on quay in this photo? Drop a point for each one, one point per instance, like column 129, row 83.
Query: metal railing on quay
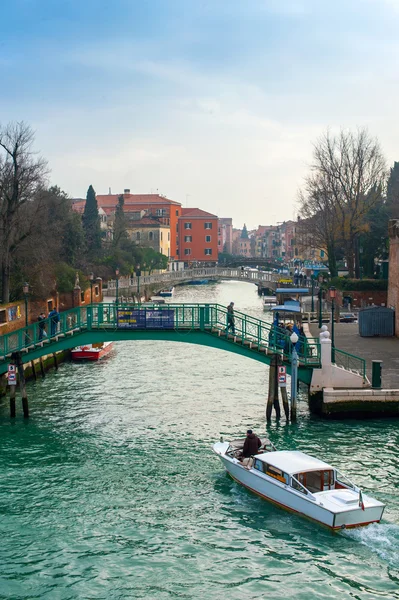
column 350, row 362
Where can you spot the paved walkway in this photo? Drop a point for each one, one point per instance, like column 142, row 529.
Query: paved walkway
column 347, row 338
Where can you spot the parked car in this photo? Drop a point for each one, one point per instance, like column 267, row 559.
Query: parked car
column 347, row 318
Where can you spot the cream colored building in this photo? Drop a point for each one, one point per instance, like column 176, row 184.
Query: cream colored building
column 149, row 233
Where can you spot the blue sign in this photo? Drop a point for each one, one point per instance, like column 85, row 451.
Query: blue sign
column 131, row 318
column 136, row 318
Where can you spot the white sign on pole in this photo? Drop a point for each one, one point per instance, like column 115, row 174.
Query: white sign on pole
column 12, row 369
column 282, row 376
column 12, row 379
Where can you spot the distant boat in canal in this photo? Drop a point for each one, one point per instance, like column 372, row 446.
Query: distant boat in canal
column 92, row 351
column 167, row 293
column 302, row 484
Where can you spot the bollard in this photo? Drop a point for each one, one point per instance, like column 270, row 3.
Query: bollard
column 376, row 368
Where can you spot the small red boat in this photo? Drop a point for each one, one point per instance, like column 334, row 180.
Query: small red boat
column 92, row 351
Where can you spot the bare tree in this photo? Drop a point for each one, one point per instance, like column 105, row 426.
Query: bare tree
column 352, row 170
column 22, row 176
column 319, row 225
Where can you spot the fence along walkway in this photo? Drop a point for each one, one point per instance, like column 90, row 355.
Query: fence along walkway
column 257, row 336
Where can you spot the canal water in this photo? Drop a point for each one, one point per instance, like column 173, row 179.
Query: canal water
column 111, row 491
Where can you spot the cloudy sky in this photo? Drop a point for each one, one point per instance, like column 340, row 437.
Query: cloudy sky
column 213, row 103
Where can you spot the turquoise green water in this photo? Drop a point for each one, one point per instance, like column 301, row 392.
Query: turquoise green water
column 111, row 490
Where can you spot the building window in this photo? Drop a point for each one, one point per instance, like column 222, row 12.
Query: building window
column 188, row 238
column 161, row 236
column 151, row 235
column 177, row 213
column 138, row 236
column 208, row 251
column 207, row 238
column 208, row 225
column 168, row 236
column 219, row 243
column 3, row 316
column 187, row 251
column 187, row 225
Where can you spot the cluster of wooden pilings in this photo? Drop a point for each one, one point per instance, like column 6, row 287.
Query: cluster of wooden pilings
column 273, row 396
column 37, row 369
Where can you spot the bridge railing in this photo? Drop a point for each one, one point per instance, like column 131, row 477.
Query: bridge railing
column 205, row 317
column 170, row 277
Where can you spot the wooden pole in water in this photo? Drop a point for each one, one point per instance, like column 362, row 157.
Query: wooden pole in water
column 32, row 364
column 286, row 406
column 12, row 400
column 42, row 367
column 276, row 402
column 272, row 384
column 55, row 361
column 22, row 386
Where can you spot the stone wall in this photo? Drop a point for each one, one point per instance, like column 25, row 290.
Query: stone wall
column 393, row 277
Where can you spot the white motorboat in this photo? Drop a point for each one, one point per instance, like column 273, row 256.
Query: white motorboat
column 269, row 302
column 302, row 484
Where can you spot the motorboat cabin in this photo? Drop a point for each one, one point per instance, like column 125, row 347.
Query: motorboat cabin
column 301, row 483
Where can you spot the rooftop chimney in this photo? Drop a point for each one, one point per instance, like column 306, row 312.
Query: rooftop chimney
column 126, row 191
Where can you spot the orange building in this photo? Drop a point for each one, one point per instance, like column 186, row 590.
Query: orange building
column 165, row 210
column 198, row 236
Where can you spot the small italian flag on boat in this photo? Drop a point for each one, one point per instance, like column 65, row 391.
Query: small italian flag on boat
column 361, row 503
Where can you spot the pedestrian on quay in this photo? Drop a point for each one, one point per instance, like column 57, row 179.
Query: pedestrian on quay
column 42, row 326
column 230, row 318
column 54, row 320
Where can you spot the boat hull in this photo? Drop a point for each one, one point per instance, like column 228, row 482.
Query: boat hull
column 286, row 497
column 91, row 353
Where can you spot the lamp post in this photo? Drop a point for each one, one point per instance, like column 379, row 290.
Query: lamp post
column 294, row 375
column 26, row 292
column 91, row 287
column 138, row 273
column 25, row 289
column 117, row 287
column 312, row 277
column 333, row 293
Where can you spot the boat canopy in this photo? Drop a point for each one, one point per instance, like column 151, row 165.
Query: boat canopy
column 292, row 291
column 289, row 308
column 292, row 462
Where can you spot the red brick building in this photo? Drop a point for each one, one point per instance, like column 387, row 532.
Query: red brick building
column 198, row 236
column 157, row 206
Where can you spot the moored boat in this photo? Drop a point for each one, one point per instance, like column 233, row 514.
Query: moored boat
column 167, row 293
column 92, row 351
column 302, row 484
column 269, row 302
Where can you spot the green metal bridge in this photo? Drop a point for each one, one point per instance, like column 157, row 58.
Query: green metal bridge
column 203, row 324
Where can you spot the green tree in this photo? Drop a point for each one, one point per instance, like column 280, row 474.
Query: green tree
column 120, row 233
column 244, row 232
column 91, row 223
column 393, row 192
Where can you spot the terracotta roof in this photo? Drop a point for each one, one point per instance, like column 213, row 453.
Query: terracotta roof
column 111, row 200
column 196, row 212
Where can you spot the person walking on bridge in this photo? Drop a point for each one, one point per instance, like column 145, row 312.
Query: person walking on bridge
column 230, row 318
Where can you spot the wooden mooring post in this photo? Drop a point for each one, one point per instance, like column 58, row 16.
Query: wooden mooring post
column 12, row 400
column 22, row 384
column 272, row 399
column 274, row 387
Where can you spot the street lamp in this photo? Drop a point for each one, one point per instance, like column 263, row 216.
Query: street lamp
column 117, row 286
column 26, row 292
column 91, row 287
column 312, row 278
column 294, row 374
column 333, row 293
column 138, row 273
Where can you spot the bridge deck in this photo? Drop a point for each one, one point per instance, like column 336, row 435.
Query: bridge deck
column 204, row 324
